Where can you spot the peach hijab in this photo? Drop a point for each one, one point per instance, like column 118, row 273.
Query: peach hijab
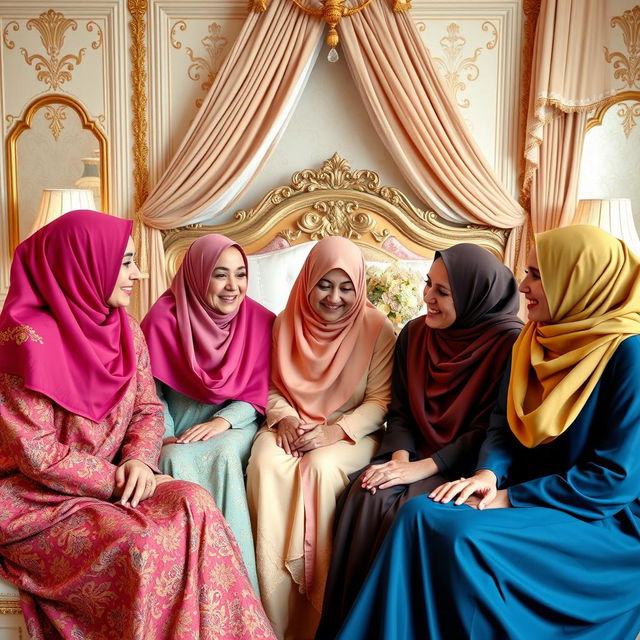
column 317, row 365
column 592, row 284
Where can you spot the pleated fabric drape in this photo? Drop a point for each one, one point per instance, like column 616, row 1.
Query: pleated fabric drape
column 419, row 123
column 233, row 133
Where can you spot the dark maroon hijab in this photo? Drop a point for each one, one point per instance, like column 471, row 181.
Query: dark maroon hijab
column 454, row 373
column 57, row 331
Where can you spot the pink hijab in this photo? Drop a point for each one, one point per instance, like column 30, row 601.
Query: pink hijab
column 57, row 331
column 317, row 365
column 208, row 356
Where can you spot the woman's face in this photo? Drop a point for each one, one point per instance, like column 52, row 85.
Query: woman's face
column 441, row 312
column 333, row 296
column 531, row 286
column 128, row 274
column 228, row 282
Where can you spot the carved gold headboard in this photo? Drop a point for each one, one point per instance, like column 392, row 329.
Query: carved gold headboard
column 338, row 201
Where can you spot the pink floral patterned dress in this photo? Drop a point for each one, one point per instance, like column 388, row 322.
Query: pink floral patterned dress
column 89, row 569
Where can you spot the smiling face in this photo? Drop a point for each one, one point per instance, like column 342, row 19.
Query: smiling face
column 531, row 286
column 333, row 296
column 128, row 274
column 228, row 283
column 441, row 312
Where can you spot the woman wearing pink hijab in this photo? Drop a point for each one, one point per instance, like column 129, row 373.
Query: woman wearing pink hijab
column 332, row 358
column 100, row 544
column 210, row 347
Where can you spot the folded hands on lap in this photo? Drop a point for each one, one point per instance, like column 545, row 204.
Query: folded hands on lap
column 297, row 437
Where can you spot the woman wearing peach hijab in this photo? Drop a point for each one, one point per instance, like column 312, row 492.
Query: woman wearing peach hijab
column 332, row 358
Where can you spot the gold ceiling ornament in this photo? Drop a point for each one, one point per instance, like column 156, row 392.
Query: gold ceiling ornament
column 332, row 11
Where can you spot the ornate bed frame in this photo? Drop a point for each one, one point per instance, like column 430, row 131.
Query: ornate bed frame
column 338, row 201
column 331, row 201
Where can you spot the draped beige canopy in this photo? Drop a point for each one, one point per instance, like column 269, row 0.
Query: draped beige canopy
column 255, row 92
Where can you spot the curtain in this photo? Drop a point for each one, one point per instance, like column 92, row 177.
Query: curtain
column 419, row 123
column 572, row 74
column 233, row 133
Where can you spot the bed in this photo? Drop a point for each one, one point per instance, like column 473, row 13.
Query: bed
column 279, row 231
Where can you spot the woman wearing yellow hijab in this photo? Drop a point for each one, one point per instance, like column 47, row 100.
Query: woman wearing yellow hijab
column 554, row 552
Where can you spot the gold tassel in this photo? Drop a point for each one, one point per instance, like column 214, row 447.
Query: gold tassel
column 400, row 6
column 259, row 6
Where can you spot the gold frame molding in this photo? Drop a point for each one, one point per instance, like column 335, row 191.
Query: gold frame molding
column 596, row 119
column 10, row 607
column 137, row 28
column 23, row 125
column 337, row 201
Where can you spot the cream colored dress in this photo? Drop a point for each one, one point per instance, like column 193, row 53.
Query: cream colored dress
column 292, row 500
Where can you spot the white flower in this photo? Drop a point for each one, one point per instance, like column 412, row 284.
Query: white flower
column 396, row 292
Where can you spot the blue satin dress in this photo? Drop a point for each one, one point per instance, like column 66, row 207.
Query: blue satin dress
column 564, row 563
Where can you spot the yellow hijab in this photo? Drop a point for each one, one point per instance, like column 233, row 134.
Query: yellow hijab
column 592, row 284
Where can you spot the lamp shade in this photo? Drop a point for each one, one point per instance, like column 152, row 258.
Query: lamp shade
column 55, row 202
column 613, row 215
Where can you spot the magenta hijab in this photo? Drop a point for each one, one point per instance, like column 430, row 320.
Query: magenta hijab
column 208, row 356
column 57, row 331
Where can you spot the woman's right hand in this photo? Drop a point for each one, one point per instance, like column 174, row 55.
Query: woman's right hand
column 482, row 486
column 288, row 434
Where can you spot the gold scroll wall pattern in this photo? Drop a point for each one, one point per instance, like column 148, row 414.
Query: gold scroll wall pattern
column 54, row 67
column 626, row 69
column 456, row 68
column 203, row 67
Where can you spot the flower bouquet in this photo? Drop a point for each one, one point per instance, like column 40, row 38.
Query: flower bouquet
column 396, row 291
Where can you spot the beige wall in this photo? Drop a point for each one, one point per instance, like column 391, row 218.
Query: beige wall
column 476, row 45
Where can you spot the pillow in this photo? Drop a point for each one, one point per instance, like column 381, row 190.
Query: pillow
column 271, row 275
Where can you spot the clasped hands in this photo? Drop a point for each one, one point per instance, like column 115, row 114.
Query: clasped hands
column 297, row 437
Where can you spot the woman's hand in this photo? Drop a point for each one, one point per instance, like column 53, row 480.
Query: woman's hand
column 479, row 491
column 135, row 481
column 204, row 431
column 501, row 501
column 288, row 434
column 312, row 437
column 162, row 478
column 394, row 472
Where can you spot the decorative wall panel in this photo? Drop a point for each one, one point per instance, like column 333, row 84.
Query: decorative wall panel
column 611, row 156
column 188, row 42
column 76, row 50
column 476, row 47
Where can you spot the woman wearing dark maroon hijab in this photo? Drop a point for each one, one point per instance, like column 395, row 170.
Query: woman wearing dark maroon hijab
column 447, row 369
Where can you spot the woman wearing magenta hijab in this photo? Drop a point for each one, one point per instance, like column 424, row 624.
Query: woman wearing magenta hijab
column 543, row 540
column 100, row 544
column 210, row 346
